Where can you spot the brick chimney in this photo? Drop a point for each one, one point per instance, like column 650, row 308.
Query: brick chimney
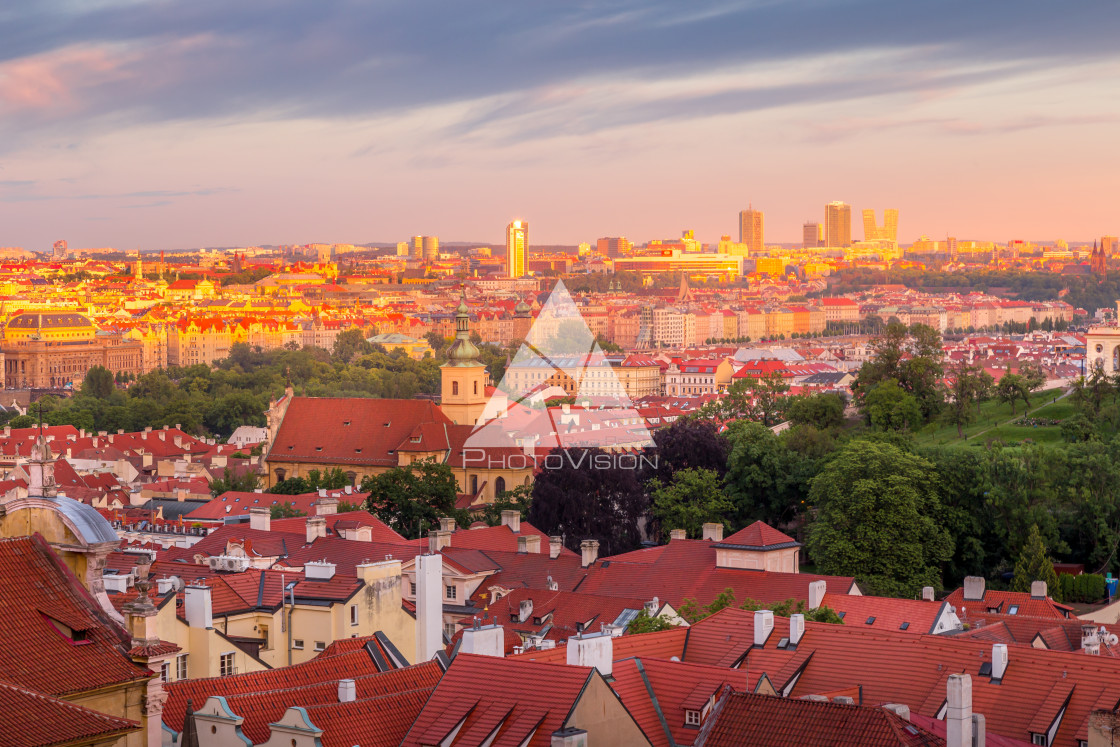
column 512, row 519
column 198, row 607
column 347, row 691
column 927, row 593
column 316, row 528
column 974, row 588
column 447, row 524
column 260, row 518
column 589, row 550
column 763, row 626
column 999, row 661
column 555, row 545
column 326, row 506
column 529, row 543
column 796, row 629
column 958, row 714
column 486, row 640
column 1038, row 589
column 594, row 650
column 438, row 539
column 677, row 534
column 713, row 531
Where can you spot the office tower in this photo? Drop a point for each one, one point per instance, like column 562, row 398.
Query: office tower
column 59, row 248
column 431, row 248
column 417, row 247
column 750, row 230
column 838, row 224
column 872, row 231
column 1109, row 245
column 613, row 246
column 517, row 244
column 811, row 235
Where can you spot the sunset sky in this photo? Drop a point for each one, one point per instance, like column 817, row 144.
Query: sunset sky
column 164, row 124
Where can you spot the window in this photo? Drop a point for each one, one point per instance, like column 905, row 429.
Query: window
column 266, row 644
column 454, row 387
column 353, row 614
column 1038, row 738
column 412, row 588
column 320, row 645
column 1013, row 609
column 499, row 485
column 225, row 665
column 474, row 484
column 692, row 718
column 476, row 387
column 449, row 630
column 904, row 626
column 450, row 591
column 298, row 644
column 181, row 667
column 165, row 672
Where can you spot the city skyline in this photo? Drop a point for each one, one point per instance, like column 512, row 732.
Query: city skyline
column 144, row 125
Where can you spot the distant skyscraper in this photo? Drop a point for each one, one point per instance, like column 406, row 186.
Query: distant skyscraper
column 418, row 247
column 1109, row 245
column 872, row 231
column 431, row 248
column 838, row 224
column 811, row 235
column 750, row 230
column 517, row 245
column 613, row 246
column 59, row 248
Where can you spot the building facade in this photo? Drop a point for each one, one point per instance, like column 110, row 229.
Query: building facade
column 517, row 246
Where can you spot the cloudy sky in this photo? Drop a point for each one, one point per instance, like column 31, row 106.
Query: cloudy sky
column 171, row 124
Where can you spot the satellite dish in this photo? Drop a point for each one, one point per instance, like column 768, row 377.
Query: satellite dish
column 177, row 583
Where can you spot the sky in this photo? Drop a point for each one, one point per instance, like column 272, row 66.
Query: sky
column 160, row 124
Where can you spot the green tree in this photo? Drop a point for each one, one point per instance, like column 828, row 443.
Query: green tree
column 284, row 511
column 350, row 344
column 762, row 478
column 692, row 498
column 889, row 407
column 1035, row 565
column 966, row 386
column 412, row 499
column 246, row 482
column 98, row 382
column 518, row 499
column 878, row 519
column 645, row 623
column 823, row 411
column 1012, row 388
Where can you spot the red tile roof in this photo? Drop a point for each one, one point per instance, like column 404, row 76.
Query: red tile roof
column 34, row 719
column 1001, row 602
column 747, row 720
column 759, row 535
column 35, row 653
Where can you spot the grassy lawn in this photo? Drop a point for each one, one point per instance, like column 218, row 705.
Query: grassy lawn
column 993, row 419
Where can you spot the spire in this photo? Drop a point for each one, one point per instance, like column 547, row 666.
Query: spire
column 685, row 294
column 462, row 352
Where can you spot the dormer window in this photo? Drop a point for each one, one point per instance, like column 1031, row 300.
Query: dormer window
column 691, row 718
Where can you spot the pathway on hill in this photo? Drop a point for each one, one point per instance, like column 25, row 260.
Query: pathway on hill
column 1025, row 414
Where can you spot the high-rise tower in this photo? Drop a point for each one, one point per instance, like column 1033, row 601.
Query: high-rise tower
column 872, row 231
column 838, row 224
column 750, row 230
column 517, row 244
column 810, row 235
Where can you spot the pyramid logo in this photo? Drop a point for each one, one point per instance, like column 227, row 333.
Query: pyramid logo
column 559, row 391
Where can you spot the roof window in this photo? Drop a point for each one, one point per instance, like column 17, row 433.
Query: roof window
column 871, row 620
column 904, row 626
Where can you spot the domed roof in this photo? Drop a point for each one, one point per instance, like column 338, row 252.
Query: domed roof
column 522, row 308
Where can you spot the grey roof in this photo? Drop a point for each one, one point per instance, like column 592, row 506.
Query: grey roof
column 826, row 378
column 90, row 525
column 173, row 509
column 52, row 321
column 771, row 354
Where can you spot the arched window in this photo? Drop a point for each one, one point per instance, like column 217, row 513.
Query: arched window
column 476, row 386
column 474, row 484
column 280, row 473
column 454, row 387
column 499, row 486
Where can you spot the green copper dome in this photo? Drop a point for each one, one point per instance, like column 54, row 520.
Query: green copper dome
column 463, row 352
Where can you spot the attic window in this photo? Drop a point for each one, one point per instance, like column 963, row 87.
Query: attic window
column 691, row 718
column 841, row 615
column 415, row 439
column 346, row 422
column 357, row 451
column 1013, row 609
column 783, row 643
column 318, row 448
column 904, row 626
column 871, row 620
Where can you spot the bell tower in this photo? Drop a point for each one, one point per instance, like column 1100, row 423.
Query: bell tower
column 463, row 377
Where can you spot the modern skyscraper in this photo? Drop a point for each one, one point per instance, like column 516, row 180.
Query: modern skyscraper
column 838, row 224
column 811, row 235
column 1109, row 245
column 750, row 230
column 613, row 246
column 431, row 248
column 517, row 244
column 418, row 247
column 872, row 231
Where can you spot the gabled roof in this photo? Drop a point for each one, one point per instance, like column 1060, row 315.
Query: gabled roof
column 747, row 720
column 34, row 719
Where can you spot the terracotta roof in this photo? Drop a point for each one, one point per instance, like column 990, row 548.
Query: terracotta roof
column 38, row 596
column 759, row 536
column 34, row 719
column 747, row 720
column 1007, row 603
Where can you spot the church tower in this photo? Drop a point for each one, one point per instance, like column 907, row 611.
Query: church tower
column 463, row 377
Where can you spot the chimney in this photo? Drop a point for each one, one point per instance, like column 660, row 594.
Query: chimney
column 326, row 506
column 322, row 492
column 569, row 736
column 524, row 610
column 318, row 570
column 796, row 629
column 512, row 519
column 973, row 588
column 816, row 593
column 763, row 626
column 652, row 606
column 555, row 545
column 958, row 715
column 316, row 528
column 551, row 585
column 347, row 691
column 999, row 661
column 164, row 585
column 529, row 543
column 713, row 531
column 899, row 709
column 1038, row 589
column 117, row 583
column 486, row 640
column 447, row 524
column 438, row 539
column 429, row 606
column 589, row 549
column 197, row 606
column 927, row 593
column 522, row 544
column 677, row 534
column 260, row 518
column 594, row 650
